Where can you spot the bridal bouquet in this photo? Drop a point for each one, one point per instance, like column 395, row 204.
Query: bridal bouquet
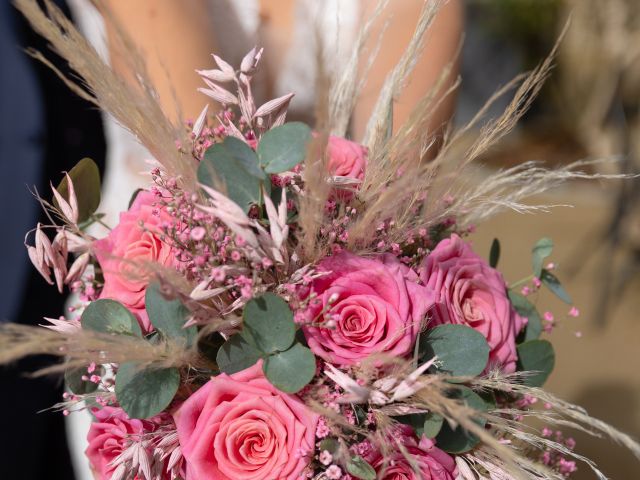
column 284, row 303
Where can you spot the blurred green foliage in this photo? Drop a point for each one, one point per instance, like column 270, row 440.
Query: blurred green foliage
column 529, row 25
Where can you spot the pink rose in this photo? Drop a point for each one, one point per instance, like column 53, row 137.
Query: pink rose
column 125, row 251
column 241, row 427
column 374, row 305
column 430, row 462
column 472, row 293
column 346, row 159
column 109, row 436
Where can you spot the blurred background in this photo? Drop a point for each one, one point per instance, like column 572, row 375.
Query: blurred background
column 590, row 108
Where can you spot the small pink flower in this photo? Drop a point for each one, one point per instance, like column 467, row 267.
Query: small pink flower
column 241, row 427
column 472, row 293
column 325, row 457
column 333, row 472
column 198, row 233
column 574, row 312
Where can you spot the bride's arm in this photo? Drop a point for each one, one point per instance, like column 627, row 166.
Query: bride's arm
column 175, row 38
column 441, row 45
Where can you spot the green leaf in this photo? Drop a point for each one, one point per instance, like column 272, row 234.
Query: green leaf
column 432, row 425
column 235, row 355
column 291, row 370
column 282, row 148
column 359, row 468
column 459, row 440
column 536, row 356
column 73, row 380
column 494, row 253
column 86, row 183
column 331, row 445
column 168, row 316
column 461, row 350
column 109, row 316
column 541, row 250
column 234, row 165
column 268, row 324
column 553, row 284
column 428, row 424
column 526, row 309
column 143, row 393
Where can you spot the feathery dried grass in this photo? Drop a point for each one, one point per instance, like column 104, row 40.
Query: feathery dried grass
column 135, row 107
column 346, row 88
column 400, row 184
column 577, row 415
column 377, row 131
column 85, row 346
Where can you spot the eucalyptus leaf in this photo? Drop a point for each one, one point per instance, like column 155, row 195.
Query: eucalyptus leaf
column 461, row 350
column 359, row 468
column 427, row 424
column 228, row 164
column 168, row 316
column 536, row 356
column 109, row 316
column 143, row 393
column 236, row 355
column 268, row 323
column 494, row 253
column 282, row 148
column 432, row 425
column 553, row 284
column 292, row 370
column 85, row 176
column 459, row 440
column 526, row 309
column 541, row 250
column 329, row 444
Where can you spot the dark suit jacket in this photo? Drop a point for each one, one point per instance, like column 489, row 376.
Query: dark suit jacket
column 44, row 129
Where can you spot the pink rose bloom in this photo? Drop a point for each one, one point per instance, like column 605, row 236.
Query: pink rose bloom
column 109, row 436
column 346, row 159
column 431, row 462
column 472, row 293
column 375, row 305
column 127, row 244
column 241, row 427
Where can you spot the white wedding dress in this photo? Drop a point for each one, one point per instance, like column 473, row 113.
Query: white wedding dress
column 238, row 20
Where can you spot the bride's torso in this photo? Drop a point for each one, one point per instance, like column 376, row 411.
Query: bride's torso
column 288, row 29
